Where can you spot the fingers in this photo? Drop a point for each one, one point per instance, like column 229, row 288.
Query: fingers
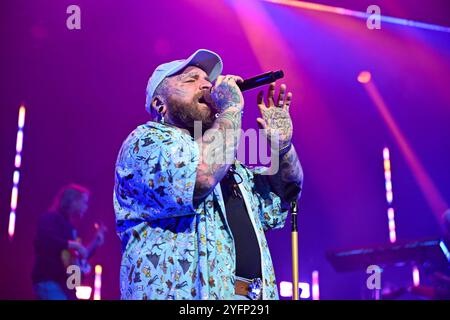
column 229, row 77
column 280, row 101
column 260, row 98
column 287, row 103
column 237, row 79
column 283, row 100
column 229, row 80
column 219, row 80
column 262, row 123
column 260, row 101
column 226, row 80
column 270, row 94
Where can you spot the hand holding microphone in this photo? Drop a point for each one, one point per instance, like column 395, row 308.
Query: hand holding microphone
column 225, row 94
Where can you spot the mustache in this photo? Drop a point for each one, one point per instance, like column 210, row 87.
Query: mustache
column 205, row 97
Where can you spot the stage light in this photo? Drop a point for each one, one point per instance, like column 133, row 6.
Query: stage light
column 83, row 292
column 14, row 196
column 416, row 276
column 391, row 225
column 389, row 194
column 388, row 185
column 315, row 286
column 98, row 282
column 387, row 165
column 364, row 76
column 391, row 214
column 286, row 289
column 17, row 161
column 360, row 14
column 16, row 175
column 19, row 141
column 392, row 236
column 445, row 250
column 11, row 224
column 432, row 195
column 389, row 197
column 305, row 291
column 21, row 121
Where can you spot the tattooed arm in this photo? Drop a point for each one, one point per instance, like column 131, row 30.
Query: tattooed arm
column 289, row 179
column 219, row 144
column 277, row 123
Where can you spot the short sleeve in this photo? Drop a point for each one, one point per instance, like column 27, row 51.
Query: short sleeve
column 155, row 175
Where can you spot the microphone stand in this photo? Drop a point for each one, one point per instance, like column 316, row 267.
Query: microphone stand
column 294, row 240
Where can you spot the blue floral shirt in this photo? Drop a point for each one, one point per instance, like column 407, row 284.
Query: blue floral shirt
column 171, row 247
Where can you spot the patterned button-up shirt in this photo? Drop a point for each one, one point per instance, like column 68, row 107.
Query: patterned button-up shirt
column 173, row 248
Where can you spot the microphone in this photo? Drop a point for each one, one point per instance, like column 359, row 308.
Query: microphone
column 260, row 80
column 248, row 84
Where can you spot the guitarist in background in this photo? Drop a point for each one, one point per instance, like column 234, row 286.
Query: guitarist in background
column 56, row 244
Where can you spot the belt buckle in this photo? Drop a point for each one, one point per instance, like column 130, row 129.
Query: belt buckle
column 255, row 289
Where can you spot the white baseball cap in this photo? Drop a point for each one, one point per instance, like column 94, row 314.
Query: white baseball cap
column 208, row 61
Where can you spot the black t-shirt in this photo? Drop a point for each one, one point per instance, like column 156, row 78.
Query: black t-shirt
column 248, row 256
column 53, row 233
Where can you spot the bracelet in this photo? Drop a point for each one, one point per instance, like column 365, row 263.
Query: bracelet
column 218, row 114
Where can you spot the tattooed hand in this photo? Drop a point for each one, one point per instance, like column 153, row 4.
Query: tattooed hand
column 275, row 116
column 287, row 180
column 227, row 94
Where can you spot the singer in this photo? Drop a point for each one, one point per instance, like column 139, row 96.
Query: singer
column 191, row 228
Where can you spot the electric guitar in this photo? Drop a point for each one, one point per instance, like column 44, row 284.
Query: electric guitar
column 73, row 257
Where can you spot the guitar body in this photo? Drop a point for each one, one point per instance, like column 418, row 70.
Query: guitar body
column 71, row 257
